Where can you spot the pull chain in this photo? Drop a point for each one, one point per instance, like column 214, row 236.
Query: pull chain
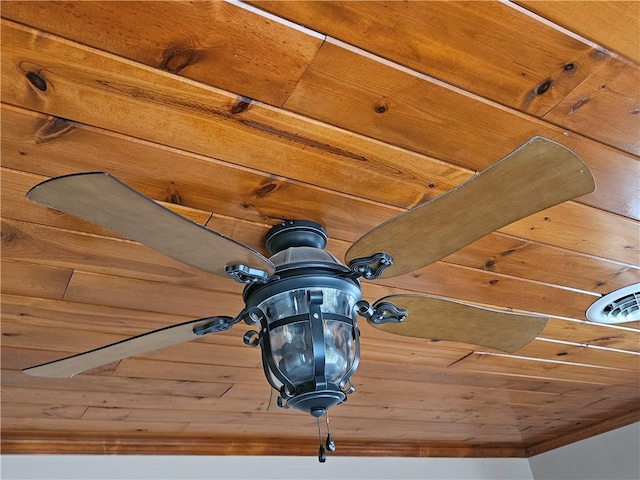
column 322, row 455
column 331, row 445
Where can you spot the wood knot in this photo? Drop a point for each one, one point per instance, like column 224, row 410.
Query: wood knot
column 37, row 81
column 54, row 128
column 581, row 101
column 8, row 234
column 173, row 196
column 381, row 107
column 543, row 87
column 265, row 190
column 241, row 105
column 176, row 59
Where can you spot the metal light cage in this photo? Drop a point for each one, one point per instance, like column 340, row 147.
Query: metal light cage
column 309, row 336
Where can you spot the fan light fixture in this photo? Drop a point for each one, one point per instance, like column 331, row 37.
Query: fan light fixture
column 306, row 319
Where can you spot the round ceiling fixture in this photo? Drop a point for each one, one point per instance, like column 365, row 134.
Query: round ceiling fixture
column 620, row 306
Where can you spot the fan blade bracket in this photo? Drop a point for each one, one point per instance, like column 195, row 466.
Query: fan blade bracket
column 371, row 267
column 247, row 275
column 218, row 324
column 381, row 312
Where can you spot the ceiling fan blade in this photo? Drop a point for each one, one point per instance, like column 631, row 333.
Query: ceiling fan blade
column 273, row 400
column 104, row 200
column 539, row 174
column 442, row 319
column 146, row 342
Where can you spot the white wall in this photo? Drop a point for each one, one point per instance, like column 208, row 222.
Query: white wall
column 613, row 455
column 53, row 467
column 610, row 456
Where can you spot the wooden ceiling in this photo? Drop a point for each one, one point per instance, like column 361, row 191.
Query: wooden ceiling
column 344, row 113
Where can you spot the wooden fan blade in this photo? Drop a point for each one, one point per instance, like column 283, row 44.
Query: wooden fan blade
column 442, row 319
column 102, row 199
column 146, row 342
column 273, row 400
column 539, row 174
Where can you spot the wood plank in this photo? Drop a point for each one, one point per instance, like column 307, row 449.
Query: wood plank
column 34, row 410
column 265, row 64
column 113, row 384
column 472, row 398
column 513, row 256
column 208, row 123
column 589, row 333
column 107, row 399
column 63, row 424
column 583, row 354
column 48, row 313
column 612, row 24
column 437, row 376
column 35, row 280
column 114, row 291
column 353, row 428
column 140, row 443
column 289, row 131
column 488, row 48
column 425, row 115
column 526, row 366
column 257, row 196
column 55, row 247
column 621, row 243
column 604, row 107
column 98, row 413
column 157, row 369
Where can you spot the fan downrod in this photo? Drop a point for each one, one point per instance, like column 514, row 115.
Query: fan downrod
column 295, row 233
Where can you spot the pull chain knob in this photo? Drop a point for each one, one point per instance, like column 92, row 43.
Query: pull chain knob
column 322, row 455
column 331, row 445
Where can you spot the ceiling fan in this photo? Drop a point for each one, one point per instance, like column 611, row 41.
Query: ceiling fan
column 302, row 302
